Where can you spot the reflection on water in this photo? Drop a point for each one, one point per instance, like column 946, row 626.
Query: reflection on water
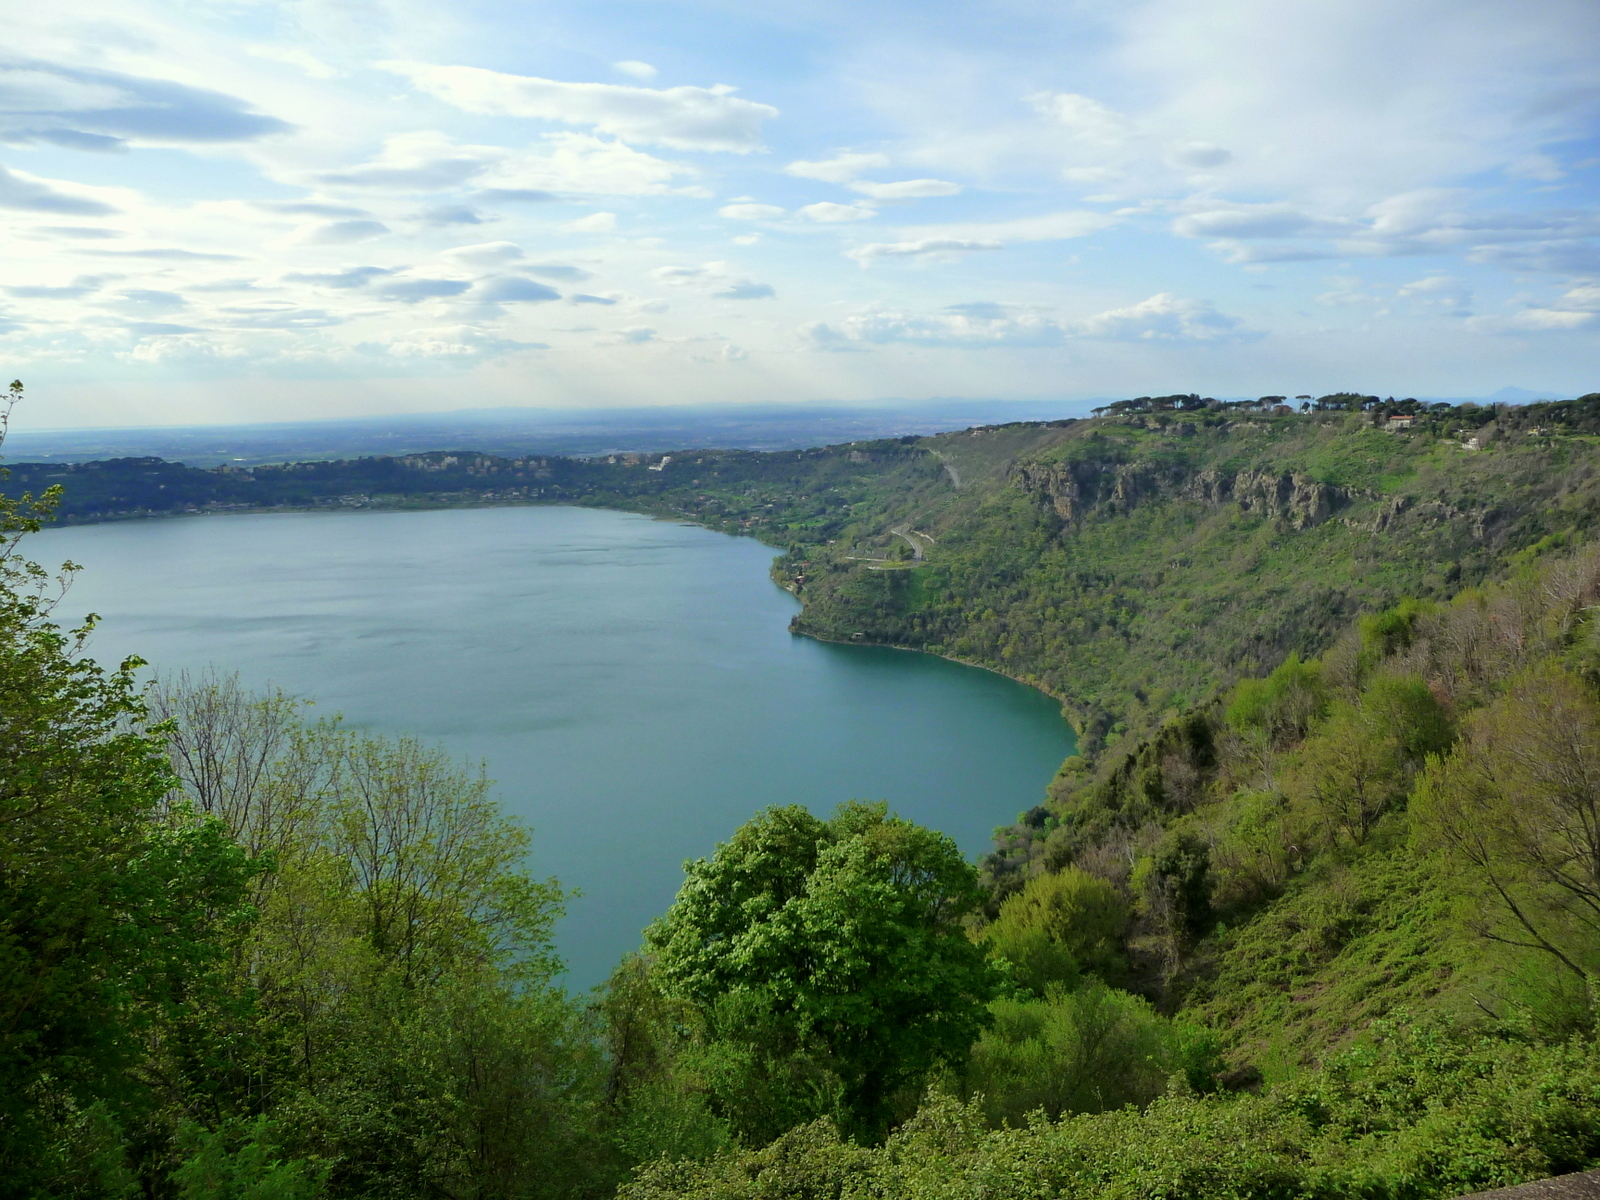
column 631, row 683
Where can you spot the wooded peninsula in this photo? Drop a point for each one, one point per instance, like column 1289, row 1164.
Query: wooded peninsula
column 1313, row 912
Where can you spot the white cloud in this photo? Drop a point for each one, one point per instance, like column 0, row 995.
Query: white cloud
column 279, row 315
column 906, row 189
column 508, row 289
column 1425, row 221
column 1258, row 221
column 832, row 214
column 564, row 271
column 847, row 167
column 455, row 342
column 422, row 161
column 970, row 326
column 705, row 272
column 338, row 233
column 149, row 300
column 633, row 67
column 1536, row 165
column 581, row 163
column 1577, row 309
column 416, row 290
column 293, row 56
column 596, row 222
column 685, row 118
column 1560, row 256
column 750, row 212
column 30, row 193
column 88, row 108
column 747, row 290
column 428, row 161
column 1048, row 227
column 944, row 240
column 349, row 277
column 1163, row 317
column 1443, row 294
column 1095, row 176
column 1084, row 119
column 451, row 214
column 986, row 325
column 484, row 254
column 841, row 168
column 1199, row 155
column 921, row 248
column 1553, row 319
column 1351, row 100
column 1585, row 296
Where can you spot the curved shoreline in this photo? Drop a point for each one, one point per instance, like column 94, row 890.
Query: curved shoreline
column 369, row 506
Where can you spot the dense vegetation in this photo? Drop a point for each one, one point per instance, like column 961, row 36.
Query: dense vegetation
column 1322, row 918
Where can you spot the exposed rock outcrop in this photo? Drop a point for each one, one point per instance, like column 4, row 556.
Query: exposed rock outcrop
column 1290, row 497
column 1072, row 489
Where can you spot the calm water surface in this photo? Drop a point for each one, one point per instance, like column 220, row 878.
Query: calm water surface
column 630, row 682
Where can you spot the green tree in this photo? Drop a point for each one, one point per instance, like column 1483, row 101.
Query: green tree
column 1059, row 925
column 1359, row 762
column 114, row 913
column 1517, row 807
column 849, row 934
column 1349, row 773
column 1282, row 706
column 241, row 1162
column 1173, row 883
column 1085, row 1051
column 397, row 1018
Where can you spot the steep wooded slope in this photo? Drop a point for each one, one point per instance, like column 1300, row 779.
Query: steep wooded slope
column 1132, row 566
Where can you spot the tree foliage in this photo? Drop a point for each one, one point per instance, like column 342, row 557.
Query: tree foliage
column 846, row 935
column 1058, row 927
column 114, row 914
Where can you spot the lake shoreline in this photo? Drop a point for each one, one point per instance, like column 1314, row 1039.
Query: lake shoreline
column 619, row 671
column 370, row 507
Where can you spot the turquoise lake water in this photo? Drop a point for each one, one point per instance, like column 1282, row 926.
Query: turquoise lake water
column 631, row 683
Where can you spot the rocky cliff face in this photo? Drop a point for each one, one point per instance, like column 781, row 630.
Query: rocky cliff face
column 1299, row 501
column 1072, row 489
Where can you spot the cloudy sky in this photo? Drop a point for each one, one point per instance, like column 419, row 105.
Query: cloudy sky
column 229, row 211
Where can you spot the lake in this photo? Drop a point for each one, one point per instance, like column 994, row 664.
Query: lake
column 631, row 683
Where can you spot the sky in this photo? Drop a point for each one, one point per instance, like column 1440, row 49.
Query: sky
column 216, row 212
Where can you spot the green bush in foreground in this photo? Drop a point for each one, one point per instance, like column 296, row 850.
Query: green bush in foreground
column 1419, row 1113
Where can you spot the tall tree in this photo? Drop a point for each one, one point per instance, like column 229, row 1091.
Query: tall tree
column 848, row 935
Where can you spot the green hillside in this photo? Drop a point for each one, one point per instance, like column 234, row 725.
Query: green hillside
column 1318, row 916
column 1132, row 565
column 1366, row 890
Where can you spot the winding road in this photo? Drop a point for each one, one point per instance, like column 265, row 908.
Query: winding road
column 912, row 538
